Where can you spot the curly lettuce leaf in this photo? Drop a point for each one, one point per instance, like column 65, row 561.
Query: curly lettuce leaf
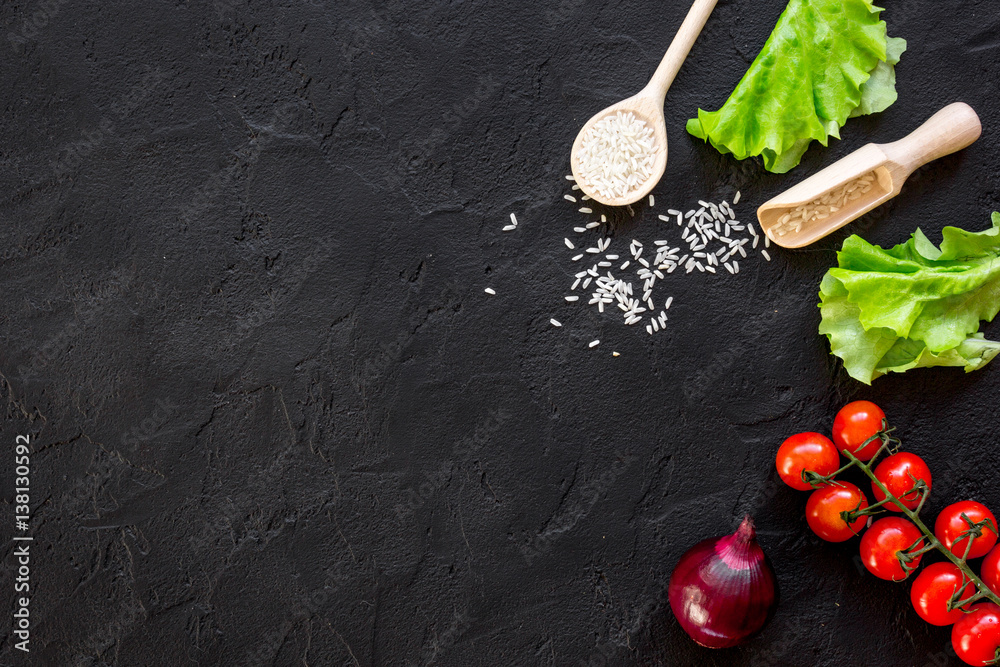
column 809, row 77
column 860, row 349
column 913, row 305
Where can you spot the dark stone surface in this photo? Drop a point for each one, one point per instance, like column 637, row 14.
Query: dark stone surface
column 277, row 421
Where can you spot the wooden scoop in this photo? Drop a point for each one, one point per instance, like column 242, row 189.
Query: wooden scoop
column 647, row 106
column 871, row 175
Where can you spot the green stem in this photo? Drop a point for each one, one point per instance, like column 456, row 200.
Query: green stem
column 960, row 604
column 817, row 481
column 982, row 589
column 850, row 516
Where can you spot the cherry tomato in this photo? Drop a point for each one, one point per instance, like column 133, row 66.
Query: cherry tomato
column 976, row 636
column 934, row 587
column 825, row 505
column 855, row 423
column 898, row 473
column 950, row 525
column 990, row 572
column 806, row 451
column 883, row 541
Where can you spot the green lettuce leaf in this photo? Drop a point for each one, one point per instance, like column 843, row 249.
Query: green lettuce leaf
column 913, row 305
column 811, row 75
column 879, row 91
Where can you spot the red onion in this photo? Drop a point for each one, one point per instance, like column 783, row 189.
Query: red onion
column 722, row 589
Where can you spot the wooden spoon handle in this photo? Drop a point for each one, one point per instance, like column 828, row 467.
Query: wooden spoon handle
column 950, row 129
column 680, row 47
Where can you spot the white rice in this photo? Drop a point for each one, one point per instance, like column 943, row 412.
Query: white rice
column 569, row 244
column 554, row 322
column 713, row 236
column 594, row 343
column 586, row 209
column 617, row 155
column 509, row 228
column 570, row 198
column 736, row 199
column 513, row 219
column 652, row 202
column 489, row 290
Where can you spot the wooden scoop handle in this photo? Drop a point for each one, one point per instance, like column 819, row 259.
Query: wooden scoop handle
column 687, row 34
column 950, row 129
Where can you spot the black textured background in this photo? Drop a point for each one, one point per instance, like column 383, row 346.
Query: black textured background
column 277, row 421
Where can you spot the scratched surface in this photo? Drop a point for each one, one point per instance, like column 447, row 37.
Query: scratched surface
column 276, row 419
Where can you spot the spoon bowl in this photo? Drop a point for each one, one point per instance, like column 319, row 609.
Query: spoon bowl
column 644, row 107
column 647, row 106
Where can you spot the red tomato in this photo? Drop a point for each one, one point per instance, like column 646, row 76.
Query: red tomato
column 950, row 525
column 990, row 572
column 883, row 541
column 855, row 423
column 825, row 505
column 933, row 588
column 976, row 637
column 806, row 451
column 898, row 473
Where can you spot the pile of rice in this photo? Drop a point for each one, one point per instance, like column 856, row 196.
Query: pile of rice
column 616, row 155
column 711, row 238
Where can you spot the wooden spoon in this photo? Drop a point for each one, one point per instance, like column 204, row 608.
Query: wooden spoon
column 874, row 173
column 647, row 105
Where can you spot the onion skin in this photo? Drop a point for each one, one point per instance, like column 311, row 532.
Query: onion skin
column 722, row 589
